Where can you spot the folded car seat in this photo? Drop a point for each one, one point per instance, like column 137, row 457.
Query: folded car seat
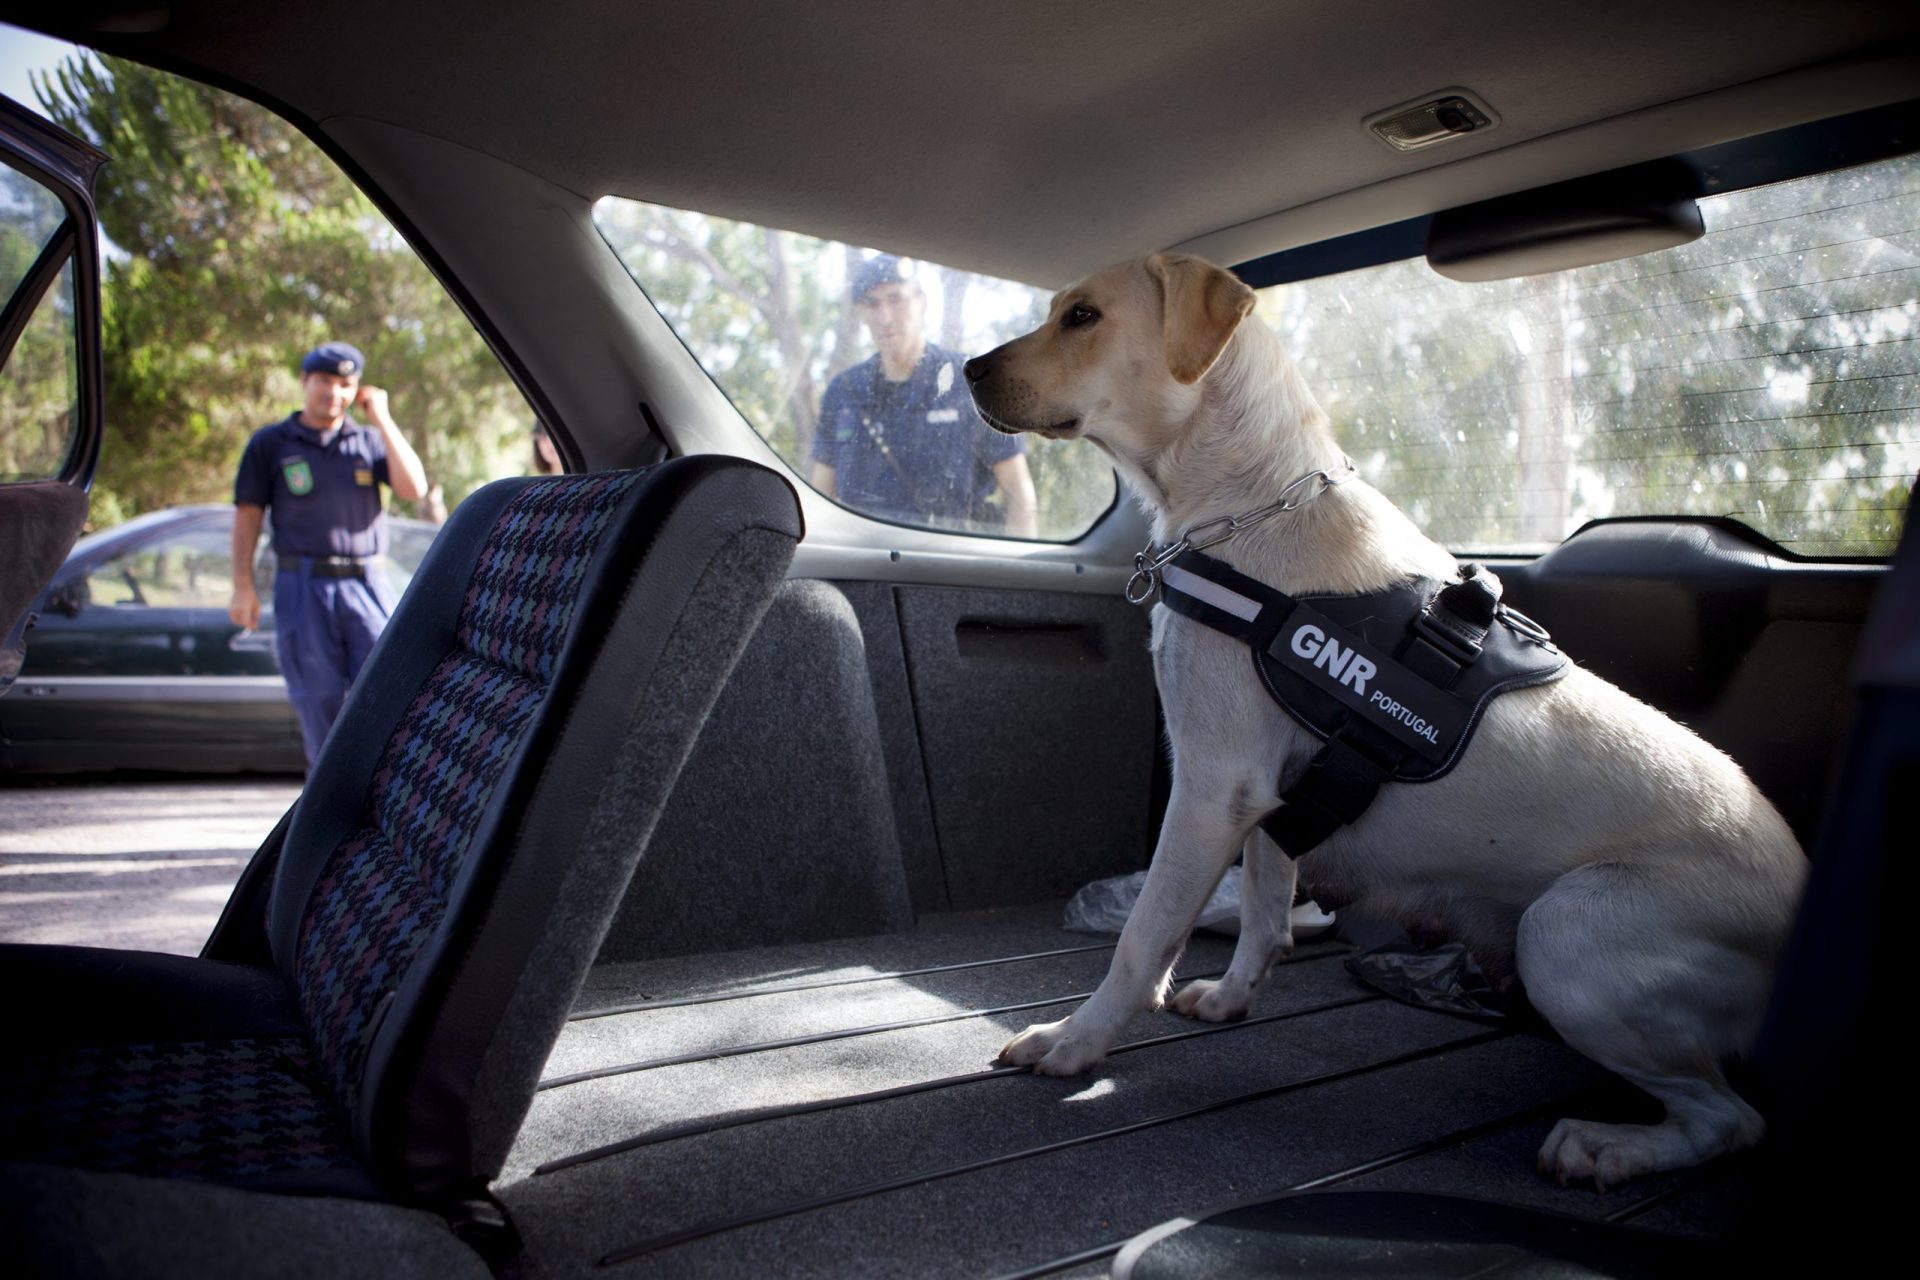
column 371, row 1016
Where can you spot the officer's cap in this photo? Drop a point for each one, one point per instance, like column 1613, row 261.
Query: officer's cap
column 336, row 358
column 881, row 269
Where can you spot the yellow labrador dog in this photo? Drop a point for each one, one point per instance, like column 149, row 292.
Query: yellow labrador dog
column 1629, row 873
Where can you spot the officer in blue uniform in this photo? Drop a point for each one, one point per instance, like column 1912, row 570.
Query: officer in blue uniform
column 899, row 437
column 320, row 472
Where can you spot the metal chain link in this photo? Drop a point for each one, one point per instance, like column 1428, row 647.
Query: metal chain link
column 1148, row 563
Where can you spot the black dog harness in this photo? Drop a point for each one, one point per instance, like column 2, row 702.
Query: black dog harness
column 1394, row 682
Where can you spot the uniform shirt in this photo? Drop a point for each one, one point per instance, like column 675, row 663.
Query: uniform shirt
column 910, row 450
column 323, row 491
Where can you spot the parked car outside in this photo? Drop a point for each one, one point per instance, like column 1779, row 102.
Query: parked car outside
column 134, row 664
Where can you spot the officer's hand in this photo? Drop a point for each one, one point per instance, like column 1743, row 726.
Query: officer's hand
column 374, row 401
column 244, row 609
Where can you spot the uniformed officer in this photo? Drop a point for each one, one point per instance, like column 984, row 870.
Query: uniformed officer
column 321, row 472
column 899, row 437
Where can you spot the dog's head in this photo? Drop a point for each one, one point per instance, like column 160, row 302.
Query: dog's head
column 1121, row 357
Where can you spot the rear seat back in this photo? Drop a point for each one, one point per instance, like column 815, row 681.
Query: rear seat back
column 455, row 858
column 372, row 1014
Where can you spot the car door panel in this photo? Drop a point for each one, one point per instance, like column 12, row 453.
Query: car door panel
column 1749, row 647
column 1036, row 727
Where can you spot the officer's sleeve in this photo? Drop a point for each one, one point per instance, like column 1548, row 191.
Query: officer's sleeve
column 253, row 486
column 381, row 475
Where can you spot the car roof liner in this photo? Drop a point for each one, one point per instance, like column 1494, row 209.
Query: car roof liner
column 1088, row 139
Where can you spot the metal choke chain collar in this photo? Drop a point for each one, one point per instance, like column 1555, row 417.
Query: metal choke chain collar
column 1148, row 563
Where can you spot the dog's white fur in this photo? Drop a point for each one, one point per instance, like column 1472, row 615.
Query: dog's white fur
column 1630, row 874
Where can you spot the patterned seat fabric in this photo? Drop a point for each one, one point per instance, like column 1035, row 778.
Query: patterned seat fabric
column 238, row 1109
column 256, row 1063
column 385, row 889
column 221, row 1110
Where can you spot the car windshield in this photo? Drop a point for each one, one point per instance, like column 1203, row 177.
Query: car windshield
column 1764, row 372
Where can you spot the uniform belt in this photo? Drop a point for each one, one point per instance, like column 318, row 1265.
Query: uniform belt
column 325, row 566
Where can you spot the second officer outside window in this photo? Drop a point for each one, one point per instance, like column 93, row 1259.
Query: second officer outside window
column 899, row 437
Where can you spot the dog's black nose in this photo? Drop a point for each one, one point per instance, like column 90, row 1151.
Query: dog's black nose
column 977, row 368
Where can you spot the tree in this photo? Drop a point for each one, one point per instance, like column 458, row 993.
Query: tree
column 234, row 247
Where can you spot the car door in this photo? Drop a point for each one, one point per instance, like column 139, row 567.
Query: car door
column 50, row 374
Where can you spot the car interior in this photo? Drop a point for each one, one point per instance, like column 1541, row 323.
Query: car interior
column 705, row 969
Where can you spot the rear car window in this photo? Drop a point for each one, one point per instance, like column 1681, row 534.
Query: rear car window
column 772, row 317
column 1765, row 372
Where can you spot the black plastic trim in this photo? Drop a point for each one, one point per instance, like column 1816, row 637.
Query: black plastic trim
column 66, row 167
column 1838, row 142
column 1739, row 529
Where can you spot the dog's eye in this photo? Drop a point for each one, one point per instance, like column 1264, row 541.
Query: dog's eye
column 1078, row 316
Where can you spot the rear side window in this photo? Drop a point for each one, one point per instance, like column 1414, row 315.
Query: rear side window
column 850, row 364
column 1765, row 372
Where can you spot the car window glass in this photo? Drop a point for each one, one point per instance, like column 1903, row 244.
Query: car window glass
column 39, row 383
column 773, row 318
column 1765, row 372
column 407, row 544
column 192, row 569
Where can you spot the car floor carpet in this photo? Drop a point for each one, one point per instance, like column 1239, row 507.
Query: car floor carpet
column 833, row 1109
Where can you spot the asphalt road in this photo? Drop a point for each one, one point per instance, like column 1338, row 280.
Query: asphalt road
column 146, row 865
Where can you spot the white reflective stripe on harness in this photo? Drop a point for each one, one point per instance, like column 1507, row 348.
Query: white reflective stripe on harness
column 1205, row 589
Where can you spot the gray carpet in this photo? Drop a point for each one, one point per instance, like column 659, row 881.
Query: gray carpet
column 704, row 1167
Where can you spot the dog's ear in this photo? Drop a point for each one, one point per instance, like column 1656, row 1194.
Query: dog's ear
column 1201, row 307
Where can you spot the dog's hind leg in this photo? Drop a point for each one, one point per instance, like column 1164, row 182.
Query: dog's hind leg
column 1608, row 957
column 1197, row 841
column 1266, row 935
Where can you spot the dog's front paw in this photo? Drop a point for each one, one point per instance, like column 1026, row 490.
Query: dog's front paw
column 1213, row 1001
column 1606, row 1154
column 1050, row 1049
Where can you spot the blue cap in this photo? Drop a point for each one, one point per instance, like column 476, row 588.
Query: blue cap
column 336, row 358
column 881, row 269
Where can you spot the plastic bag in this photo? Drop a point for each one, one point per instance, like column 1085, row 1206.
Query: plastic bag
column 1103, row 906
column 1443, row 978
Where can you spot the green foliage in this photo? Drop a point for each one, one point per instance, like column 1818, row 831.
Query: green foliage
column 235, row 246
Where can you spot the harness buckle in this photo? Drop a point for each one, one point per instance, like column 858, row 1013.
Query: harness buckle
column 1448, row 634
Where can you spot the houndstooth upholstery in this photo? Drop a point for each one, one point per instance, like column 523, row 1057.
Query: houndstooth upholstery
column 384, row 890
column 222, row 1110
column 371, row 1015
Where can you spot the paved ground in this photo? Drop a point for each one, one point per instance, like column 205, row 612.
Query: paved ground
column 144, row 864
